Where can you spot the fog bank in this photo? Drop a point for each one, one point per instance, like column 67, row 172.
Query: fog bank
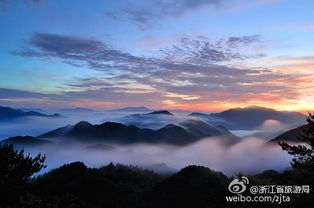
column 249, row 156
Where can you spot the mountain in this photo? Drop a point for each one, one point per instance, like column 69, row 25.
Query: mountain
column 32, row 109
column 150, row 114
column 7, row 113
column 192, row 186
column 199, row 128
column 110, row 186
column 77, row 110
column 24, row 140
column 117, row 132
column 151, row 120
column 131, row 109
column 162, row 112
column 250, row 117
column 290, row 136
column 101, row 147
column 197, row 114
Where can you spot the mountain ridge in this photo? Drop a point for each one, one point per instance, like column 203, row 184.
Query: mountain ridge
column 7, row 113
column 290, row 135
column 250, row 117
column 117, row 132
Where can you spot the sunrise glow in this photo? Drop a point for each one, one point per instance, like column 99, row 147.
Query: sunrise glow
column 201, row 56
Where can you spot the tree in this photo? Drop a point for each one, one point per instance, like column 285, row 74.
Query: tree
column 192, row 186
column 303, row 153
column 16, row 170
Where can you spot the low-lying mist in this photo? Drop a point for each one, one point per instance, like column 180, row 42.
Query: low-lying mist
column 249, row 156
column 35, row 126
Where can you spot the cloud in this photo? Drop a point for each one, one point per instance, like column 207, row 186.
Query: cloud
column 296, row 65
column 102, row 98
column 244, row 40
column 76, row 51
column 101, row 56
column 249, row 156
column 145, row 14
column 12, row 93
column 193, row 71
column 150, row 14
column 203, row 50
column 4, row 4
column 238, row 6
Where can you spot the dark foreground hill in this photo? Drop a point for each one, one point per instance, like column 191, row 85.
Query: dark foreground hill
column 250, row 117
column 187, row 132
column 118, row 186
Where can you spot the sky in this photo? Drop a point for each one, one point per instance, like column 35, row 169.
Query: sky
column 200, row 55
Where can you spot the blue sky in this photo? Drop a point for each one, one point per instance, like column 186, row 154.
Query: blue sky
column 203, row 54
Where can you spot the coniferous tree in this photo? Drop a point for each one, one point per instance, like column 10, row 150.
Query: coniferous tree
column 16, row 171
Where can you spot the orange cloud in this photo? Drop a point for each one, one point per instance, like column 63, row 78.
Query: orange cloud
column 292, row 65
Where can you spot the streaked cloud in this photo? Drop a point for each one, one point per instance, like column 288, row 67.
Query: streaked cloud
column 146, row 14
column 193, row 72
column 75, row 51
column 201, row 49
column 4, row 4
column 296, row 65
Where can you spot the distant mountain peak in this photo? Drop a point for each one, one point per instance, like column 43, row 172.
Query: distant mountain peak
column 258, row 107
column 132, row 109
column 161, row 112
column 170, row 126
column 112, row 124
column 83, row 124
column 250, row 108
column 77, row 109
column 197, row 114
column 11, row 113
column 251, row 117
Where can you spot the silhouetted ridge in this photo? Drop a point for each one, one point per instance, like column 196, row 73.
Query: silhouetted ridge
column 132, row 109
column 77, row 110
column 250, row 117
column 197, row 114
column 113, row 125
column 83, row 124
column 10, row 113
column 193, row 186
column 290, row 135
column 113, row 186
column 162, row 112
column 117, row 132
